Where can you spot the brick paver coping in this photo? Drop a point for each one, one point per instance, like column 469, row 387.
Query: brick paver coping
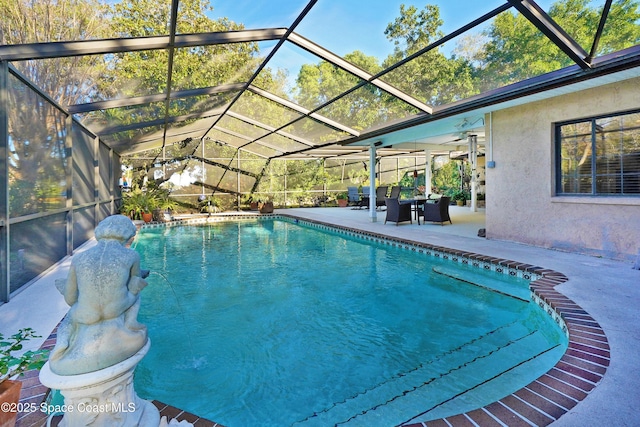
column 539, row 403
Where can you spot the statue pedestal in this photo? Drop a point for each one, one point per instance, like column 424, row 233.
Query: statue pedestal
column 103, row 398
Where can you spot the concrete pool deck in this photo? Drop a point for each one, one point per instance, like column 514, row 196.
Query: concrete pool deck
column 608, row 290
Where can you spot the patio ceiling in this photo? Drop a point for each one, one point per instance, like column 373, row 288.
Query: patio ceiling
column 232, row 112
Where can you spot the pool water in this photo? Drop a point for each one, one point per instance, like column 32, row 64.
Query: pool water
column 273, row 323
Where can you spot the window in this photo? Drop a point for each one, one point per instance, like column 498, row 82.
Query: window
column 599, row 156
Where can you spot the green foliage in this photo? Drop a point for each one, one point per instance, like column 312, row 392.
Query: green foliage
column 414, row 29
column 302, row 177
column 12, row 364
column 22, row 198
column 138, row 201
column 28, row 21
column 319, row 83
column 460, row 195
column 31, row 196
column 446, row 179
column 145, row 72
column 432, row 77
column 516, row 50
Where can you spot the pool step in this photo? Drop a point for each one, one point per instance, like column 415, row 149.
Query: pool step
column 456, row 371
column 506, row 285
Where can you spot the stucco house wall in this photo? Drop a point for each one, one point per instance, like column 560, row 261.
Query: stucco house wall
column 521, row 201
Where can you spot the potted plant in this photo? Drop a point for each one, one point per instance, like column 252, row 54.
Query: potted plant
column 253, row 204
column 265, row 207
column 481, row 200
column 163, row 204
column 210, row 205
column 163, row 209
column 459, row 197
column 343, row 200
column 12, row 365
column 139, row 204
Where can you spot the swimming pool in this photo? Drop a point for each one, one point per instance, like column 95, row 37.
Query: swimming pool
column 247, row 328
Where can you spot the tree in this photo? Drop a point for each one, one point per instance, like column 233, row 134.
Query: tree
column 319, row 83
column 517, row 50
column 144, row 72
column 40, row 21
column 622, row 29
column 432, row 77
column 37, row 159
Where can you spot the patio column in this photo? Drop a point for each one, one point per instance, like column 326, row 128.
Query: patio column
column 372, row 183
column 427, row 172
column 473, row 161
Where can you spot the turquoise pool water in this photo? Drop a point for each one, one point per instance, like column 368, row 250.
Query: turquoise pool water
column 272, row 323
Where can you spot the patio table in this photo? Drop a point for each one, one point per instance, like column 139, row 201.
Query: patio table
column 416, row 201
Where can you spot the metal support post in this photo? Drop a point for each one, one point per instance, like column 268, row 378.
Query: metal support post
column 372, row 183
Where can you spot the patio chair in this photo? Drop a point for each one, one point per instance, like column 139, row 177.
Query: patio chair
column 436, row 211
column 395, row 192
column 381, row 196
column 364, row 200
column 353, row 197
column 397, row 212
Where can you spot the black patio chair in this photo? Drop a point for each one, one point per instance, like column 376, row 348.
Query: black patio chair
column 381, row 196
column 397, row 212
column 436, row 211
column 395, row 192
column 364, row 200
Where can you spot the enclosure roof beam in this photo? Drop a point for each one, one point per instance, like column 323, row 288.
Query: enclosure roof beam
column 147, row 142
column 147, row 99
column 249, row 140
column 109, row 130
column 271, row 129
column 302, row 110
column 603, row 20
column 29, row 51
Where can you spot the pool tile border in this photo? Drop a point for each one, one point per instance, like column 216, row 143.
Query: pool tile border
column 539, row 403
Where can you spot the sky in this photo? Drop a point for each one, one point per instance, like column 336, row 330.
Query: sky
column 343, row 26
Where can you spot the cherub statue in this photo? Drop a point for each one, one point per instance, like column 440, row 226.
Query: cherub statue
column 101, row 328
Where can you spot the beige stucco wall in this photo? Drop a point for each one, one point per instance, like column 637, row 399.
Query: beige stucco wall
column 521, row 205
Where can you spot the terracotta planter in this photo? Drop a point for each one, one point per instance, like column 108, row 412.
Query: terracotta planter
column 253, row 206
column 9, row 393
column 343, row 203
column 266, row 207
column 147, row 216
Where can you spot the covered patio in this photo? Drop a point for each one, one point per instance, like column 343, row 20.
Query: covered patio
column 466, row 223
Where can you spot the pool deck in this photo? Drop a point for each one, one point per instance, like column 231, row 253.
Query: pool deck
column 608, row 290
